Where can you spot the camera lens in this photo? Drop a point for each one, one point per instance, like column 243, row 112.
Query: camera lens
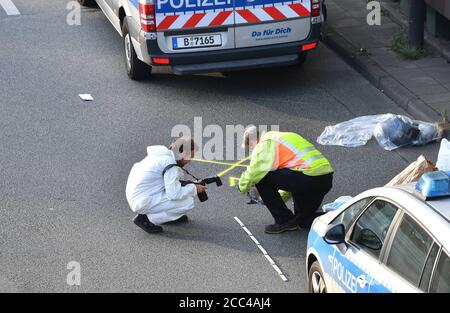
column 202, row 196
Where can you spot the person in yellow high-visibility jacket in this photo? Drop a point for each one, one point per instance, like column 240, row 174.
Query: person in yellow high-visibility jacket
column 285, row 164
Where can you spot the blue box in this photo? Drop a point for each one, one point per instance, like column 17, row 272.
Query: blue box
column 434, row 184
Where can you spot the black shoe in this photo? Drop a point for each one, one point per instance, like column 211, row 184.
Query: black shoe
column 143, row 222
column 278, row 229
column 183, row 219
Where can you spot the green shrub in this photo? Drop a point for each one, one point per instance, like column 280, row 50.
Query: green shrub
column 400, row 44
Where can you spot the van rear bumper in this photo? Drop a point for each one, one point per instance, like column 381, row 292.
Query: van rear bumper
column 242, row 64
column 233, row 59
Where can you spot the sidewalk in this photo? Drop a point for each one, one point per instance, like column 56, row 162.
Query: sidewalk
column 421, row 87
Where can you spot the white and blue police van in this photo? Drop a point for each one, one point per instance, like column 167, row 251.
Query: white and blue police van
column 389, row 239
column 200, row 36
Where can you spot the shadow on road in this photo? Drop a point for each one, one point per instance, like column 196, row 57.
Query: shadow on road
column 287, row 90
column 290, row 244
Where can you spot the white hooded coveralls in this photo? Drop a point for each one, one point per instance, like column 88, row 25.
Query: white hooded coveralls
column 161, row 198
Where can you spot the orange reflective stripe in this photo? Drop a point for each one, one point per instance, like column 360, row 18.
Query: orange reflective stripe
column 294, row 152
column 300, row 157
column 291, row 157
column 285, row 155
column 296, row 162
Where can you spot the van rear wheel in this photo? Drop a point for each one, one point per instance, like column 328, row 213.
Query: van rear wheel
column 87, row 3
column 136, row 69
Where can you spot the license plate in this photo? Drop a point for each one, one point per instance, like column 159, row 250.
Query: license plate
column 188, row 42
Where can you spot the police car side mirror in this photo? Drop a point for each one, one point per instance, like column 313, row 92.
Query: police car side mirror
column 335, row 235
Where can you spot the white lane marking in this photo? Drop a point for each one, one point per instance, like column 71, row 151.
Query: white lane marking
column 9, row 7
column 239, row 221
column 264, row 252
column 247, row 231
column 254, row 240
column 85, row 96
column 271, row 261
column 277, row 269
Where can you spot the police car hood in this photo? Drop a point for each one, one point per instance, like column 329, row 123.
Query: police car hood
column 329, row 217
column 321, row 223
column 159, row 151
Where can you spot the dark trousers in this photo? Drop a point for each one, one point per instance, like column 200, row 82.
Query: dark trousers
column 308, row 193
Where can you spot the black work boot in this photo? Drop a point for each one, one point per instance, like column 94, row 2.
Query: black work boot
column 278, row 229
column 183, row 219
column 143, row 222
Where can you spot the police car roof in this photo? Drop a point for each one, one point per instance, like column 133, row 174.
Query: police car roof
column 440, row 205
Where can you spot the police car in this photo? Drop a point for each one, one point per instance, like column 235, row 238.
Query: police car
column 390, row 239
column 198, row 36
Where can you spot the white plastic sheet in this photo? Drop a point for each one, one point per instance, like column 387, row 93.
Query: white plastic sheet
column 391, row 131
column 443, row 162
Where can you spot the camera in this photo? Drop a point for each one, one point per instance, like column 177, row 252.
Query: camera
column 211, row 180
column 206, row 181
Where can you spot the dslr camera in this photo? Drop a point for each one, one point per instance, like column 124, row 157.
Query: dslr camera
column 203, row 196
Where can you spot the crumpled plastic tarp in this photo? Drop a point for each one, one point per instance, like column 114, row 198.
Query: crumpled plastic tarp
column 390, row 130
column 443, row 162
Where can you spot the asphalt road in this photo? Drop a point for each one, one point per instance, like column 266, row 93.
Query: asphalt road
column 64, row 162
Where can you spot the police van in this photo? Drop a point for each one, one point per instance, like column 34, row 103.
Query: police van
column 389, row 239
column 199, row 36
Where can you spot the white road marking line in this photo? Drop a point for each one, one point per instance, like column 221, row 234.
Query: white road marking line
column 264, row 252
column 85, row 97
column 277, row 269
column 254, row 240
column 9, row 7
column 247, row 231
column 271, row 261
column 239, row 221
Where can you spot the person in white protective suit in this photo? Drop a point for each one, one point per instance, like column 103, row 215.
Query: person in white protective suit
column 154, row 190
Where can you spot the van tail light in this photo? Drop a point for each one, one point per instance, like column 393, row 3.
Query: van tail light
column 309, row 46
column 162, row 61
column 315, row 7
column 147, row 16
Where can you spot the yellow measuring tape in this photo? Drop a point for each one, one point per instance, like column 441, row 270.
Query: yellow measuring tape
column 232, row 180
column 233, row 166
column 217, row 162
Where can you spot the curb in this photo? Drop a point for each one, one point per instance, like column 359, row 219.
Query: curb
column 380, row 78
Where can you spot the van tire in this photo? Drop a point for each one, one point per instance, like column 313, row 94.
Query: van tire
column 87, row 3
column 315, row 273
column 302, row 58
column 136, row 69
